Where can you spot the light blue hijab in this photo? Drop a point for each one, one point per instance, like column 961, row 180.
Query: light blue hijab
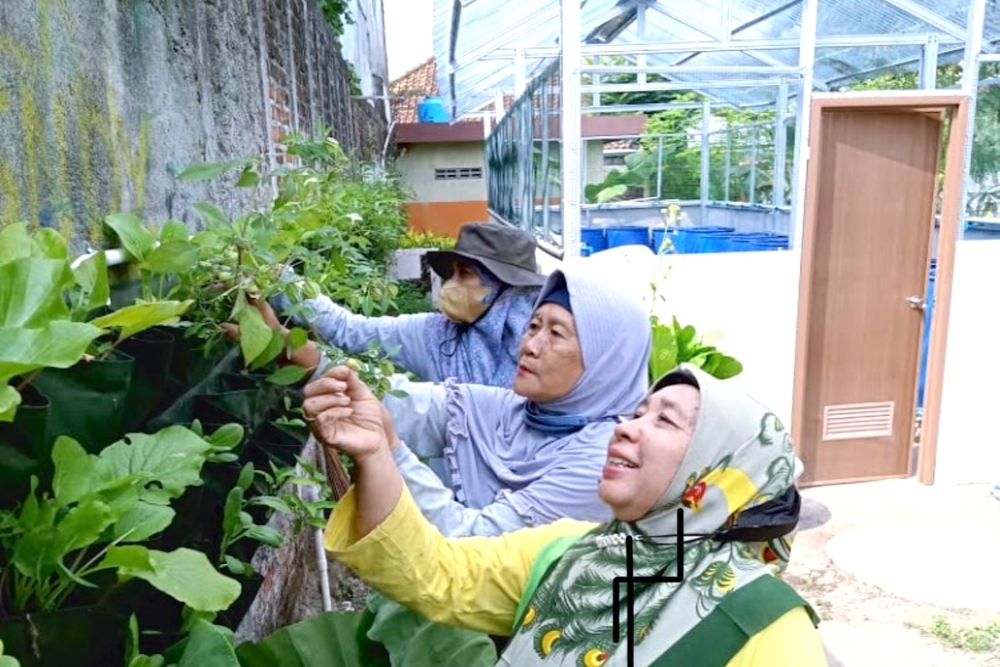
column 484, row 352
column 495, row 455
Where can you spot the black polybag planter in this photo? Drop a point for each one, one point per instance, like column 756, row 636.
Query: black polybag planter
column 75, row 637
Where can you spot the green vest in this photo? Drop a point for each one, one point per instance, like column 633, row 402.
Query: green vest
column 719, row 636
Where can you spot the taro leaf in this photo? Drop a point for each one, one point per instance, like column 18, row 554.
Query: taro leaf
column 172, row 257
column 73, row 471
column 92, row 277
column 15, row 242
column 184, row 574
column 31, row 292
column 141, row 316
column 136, row 239
column 171, row 459
column 141, row 521
column 49, row 244
column 209, row 646
column 9, row 400
column 331, row 639
column 54, row 345
column 173, row 230
column 255, row 335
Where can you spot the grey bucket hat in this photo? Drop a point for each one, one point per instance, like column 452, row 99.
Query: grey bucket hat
column 506, row 252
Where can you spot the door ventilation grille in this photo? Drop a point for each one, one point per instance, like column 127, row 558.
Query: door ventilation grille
column 858, row 420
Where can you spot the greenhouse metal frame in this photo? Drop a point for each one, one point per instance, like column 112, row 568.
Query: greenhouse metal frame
column 494, row 57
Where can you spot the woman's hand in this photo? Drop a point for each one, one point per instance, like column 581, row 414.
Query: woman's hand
column 308, row 356
column 345, row 415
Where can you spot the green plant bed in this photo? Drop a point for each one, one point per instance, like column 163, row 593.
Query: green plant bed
column 74, row 637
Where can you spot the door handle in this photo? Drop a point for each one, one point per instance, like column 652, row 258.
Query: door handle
column 917, row 302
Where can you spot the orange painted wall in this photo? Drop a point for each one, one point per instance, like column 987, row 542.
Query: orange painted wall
column 445, row 217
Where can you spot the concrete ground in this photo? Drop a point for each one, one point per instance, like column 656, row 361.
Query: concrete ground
column 902, row 574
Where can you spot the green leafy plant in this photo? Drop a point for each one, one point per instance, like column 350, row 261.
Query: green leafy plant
column 98, row 511
column 44, row 300
column 6, row 660
column 674, row 344
column 414, row 238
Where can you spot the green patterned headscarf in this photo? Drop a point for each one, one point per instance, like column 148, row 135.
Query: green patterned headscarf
column 740, row 456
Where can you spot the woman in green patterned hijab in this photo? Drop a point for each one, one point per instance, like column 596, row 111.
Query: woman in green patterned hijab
column 698, row 451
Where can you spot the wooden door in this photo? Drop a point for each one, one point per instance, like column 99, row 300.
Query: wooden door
column 866, row 263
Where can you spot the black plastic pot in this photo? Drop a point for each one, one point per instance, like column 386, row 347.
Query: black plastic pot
column 24, row 447
column 152, row 351
column 88, row 401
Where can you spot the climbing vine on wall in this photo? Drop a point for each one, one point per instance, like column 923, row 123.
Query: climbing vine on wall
column 337, row 14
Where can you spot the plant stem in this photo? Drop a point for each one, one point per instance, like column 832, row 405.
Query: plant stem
column 28, row 379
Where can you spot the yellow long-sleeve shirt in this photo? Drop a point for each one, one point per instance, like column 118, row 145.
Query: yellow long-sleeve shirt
column 477, row 582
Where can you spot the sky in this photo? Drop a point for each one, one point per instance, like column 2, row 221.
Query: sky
column 409, row 30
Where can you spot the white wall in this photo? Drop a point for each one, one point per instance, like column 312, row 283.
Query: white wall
column 363, row 45
column 418, row 162
column 969, row 438
column 752, row 299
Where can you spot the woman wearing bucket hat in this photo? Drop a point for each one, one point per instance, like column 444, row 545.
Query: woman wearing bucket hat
column 700, row 483
column 490, row 285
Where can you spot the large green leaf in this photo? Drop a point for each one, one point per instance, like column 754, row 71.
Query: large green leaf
column 209, row 646
column 170, row 459
column 41, row 548
column 172, row 257
column 73, row 471
column 15, row 242
column 141, row 521
column 92, row 278
column 136, row 239
column 185, row 575
column 50, row 244
column 206, row 171
column 9, row 400
column 255, row 335
column 31, row 291
column 141, row 316
column 55, row 345
column 332, row 639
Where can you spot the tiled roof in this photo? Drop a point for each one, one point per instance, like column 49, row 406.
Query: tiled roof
column 413, row 86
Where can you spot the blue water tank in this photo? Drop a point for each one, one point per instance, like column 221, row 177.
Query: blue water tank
column 432, row 110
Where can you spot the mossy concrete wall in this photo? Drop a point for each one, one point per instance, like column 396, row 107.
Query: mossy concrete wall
column 103, row 102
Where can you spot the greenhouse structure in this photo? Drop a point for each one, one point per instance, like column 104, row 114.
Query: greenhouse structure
column 727, row 86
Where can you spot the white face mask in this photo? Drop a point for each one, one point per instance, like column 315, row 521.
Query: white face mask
column 463, row 303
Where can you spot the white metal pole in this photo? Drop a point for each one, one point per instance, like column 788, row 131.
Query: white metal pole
column 970, row 86
column 780, row 145
column 807, row 58
column 929, row 64
column 572, row 188
column 706, row 156
column 520, row 73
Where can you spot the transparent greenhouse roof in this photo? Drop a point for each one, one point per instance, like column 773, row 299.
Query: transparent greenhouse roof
column 474, row 40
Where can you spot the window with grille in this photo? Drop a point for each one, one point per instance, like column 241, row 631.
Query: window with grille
column 458, row 173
